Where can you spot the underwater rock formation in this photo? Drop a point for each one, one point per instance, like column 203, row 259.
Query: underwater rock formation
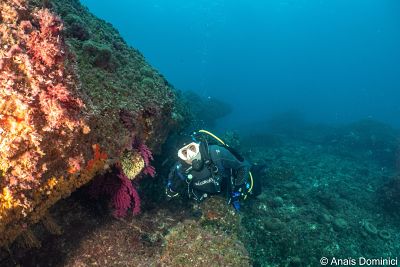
column 389, row 194
column 73, row 96
column 206, row 110
column 368, row 138
column 202, row 248
column 211, row 241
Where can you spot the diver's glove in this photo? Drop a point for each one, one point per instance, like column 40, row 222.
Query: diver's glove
column 235, row 200
column 169, row 192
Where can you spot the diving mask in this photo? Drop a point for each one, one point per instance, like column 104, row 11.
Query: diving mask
column 189, row 152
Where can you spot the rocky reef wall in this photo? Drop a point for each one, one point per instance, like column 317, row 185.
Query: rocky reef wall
column 73, row 98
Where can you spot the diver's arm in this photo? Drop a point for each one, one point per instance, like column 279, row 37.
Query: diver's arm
column 229, row 161
column 237, row 188
column 170, row 189
column 242, row 173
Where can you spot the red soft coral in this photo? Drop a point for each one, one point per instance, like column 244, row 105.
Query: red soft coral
column 121, row 191
column 147, row 156
column 125, row 197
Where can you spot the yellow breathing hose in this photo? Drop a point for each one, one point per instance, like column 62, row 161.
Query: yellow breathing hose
column 251, row 184
column 213, row 135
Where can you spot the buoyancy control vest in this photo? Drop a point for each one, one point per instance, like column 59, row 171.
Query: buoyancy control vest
column 202, row 136
column 203, row 176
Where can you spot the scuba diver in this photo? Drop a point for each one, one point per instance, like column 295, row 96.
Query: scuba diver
column 205, row 169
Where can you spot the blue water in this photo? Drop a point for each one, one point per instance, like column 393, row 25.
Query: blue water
column 331, row 61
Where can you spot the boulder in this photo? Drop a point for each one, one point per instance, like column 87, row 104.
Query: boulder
column 66, row 113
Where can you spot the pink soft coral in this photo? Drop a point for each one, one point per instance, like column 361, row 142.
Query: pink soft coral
column 121, row 191
column 123, row 197
column 147, row 156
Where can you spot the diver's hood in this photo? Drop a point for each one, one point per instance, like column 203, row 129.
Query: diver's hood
column 199, row 162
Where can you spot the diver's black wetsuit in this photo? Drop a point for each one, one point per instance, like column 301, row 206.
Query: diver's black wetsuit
column 219, row 172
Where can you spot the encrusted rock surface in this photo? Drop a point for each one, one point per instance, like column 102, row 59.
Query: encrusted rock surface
column 73, row 98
